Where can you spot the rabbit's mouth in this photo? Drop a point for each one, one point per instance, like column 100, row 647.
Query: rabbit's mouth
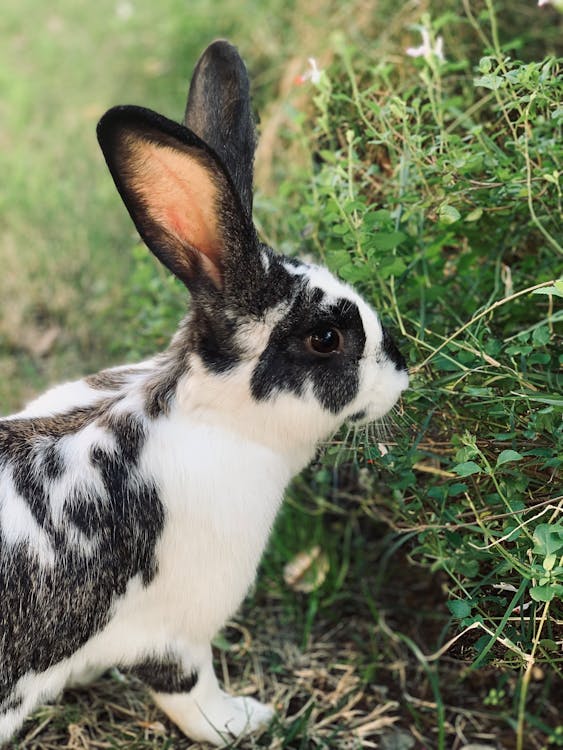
column 364, row 416
column 376, row 409
column 358, row 417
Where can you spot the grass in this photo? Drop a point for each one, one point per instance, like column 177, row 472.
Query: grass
column 427, row 610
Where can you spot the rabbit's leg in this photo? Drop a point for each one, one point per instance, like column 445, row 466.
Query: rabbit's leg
column 208, row 714
column 86, row 676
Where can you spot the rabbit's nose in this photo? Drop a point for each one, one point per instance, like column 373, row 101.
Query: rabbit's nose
column 390, row 349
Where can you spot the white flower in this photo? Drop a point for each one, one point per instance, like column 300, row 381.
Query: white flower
column 313, row 74
column 427, row 49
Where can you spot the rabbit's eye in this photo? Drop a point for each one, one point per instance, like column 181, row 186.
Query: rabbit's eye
column 325, row 341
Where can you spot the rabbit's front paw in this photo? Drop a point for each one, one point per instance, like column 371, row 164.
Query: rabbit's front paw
column 249, row 715
column 230, row 717
column 214, row 716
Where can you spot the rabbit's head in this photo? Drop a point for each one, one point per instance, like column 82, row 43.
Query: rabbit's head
column 276, row 348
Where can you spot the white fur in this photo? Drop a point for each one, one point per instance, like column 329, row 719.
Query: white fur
column 61, row 398
column 79, row 479
column 252, row 335
column 239, row 480
column 208, row 714
column 17, row 524
column 288, row 424
column 68, row 396
column 379, row 377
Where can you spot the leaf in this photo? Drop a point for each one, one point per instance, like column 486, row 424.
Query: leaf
column 486, row 65
column 467, row 566
column 466, row 453
column 474, row 215
column 546, row 593
column 555, row 290
column 507, row 456
column 459, row 608
column 221, row 643
column 388, row 240
column 382, row 216
column 457, row 488
column 541, row 336
column 552, row 291
column 467, row 468
column 448, row 214
column 548, row 539
column 549, row 645
column 338, row 258
column 340, row 230
column 352, row 273
column 307, row 570
column 556, row 401
column 492, row 82
column 392, row 267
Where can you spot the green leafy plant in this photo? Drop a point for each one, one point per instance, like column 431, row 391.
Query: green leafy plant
column 438, row 194
column 548, row 544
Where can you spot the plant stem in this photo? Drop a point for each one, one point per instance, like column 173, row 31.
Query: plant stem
column 477, row 317
column 526, row 681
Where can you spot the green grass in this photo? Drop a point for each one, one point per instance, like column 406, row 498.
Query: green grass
column 434, row 594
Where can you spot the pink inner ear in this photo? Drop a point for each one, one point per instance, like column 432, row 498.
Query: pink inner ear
column 174, row 220
column 180, row 197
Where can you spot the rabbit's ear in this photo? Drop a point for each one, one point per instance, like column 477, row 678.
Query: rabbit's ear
column 179, row 195
column 219, row 111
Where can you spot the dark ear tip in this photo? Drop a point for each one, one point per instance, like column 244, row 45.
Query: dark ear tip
column 128, row 118
column 109, row 125
column 222, row 51
column 221, row 61
column 115, row 119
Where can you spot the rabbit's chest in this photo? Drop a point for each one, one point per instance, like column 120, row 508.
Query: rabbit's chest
column 220, row 500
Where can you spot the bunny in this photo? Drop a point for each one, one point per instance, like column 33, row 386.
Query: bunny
column 135, row 504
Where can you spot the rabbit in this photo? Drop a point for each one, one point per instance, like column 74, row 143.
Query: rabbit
column 135, row 504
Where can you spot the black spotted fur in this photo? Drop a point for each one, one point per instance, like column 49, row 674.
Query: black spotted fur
column 48, row 612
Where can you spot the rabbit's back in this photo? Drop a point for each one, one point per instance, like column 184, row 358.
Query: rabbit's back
column 78, row 521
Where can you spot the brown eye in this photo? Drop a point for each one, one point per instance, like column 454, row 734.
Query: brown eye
column 325, row 341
